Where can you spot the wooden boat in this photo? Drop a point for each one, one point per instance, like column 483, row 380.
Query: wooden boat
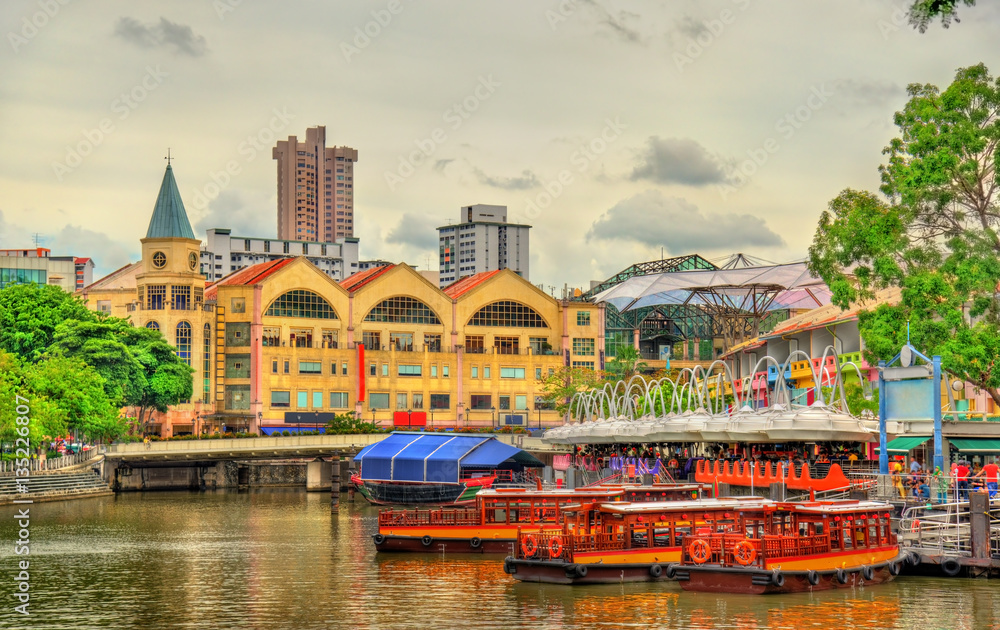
column 602, row 543
column 491, row 526
column 793, row 547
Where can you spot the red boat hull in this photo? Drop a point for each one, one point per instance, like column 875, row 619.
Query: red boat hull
column 713, row 579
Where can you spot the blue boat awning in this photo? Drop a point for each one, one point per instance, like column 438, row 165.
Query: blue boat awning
column 435, row 457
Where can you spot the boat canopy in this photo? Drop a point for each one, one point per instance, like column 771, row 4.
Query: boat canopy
column 437, row 458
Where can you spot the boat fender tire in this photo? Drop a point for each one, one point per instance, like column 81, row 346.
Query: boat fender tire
column 841, row 576
column 812, row 577
column 427, row 541
column 508, row 566
column 778, row 579
column 581, row 570
column 867, row 573
column 379, row 538
column 894, row 568
column 951, row 567
column 656, row 570
column 570, row 570
column 476, row 542
column 671, row 571
column 913, row 559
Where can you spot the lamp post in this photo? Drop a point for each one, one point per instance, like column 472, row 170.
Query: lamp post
column 493, row 417
column 409, row 412
column 539, row 410
column 373, row 417
column 260, row 420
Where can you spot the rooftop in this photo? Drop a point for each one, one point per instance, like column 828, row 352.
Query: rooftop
column 360, row 279
column 169, row 218
column 461, row 287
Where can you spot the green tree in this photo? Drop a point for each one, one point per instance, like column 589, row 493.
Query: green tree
column 348, row 424
column 139, row 367
column 78, row 392
column 559, row 387
column 626, row 364
column 46, row 420
column 923, row 12
column 934, row 235
column 30, row 313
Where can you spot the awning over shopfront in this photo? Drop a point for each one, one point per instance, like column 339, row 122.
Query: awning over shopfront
column 976, row 445
column 903, row 445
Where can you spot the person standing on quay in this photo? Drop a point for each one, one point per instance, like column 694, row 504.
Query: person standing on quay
column 897, row 479
column 990, row 471
column 941, row 483
column 962, row 475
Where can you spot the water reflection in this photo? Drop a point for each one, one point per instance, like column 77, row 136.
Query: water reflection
column 279, row 559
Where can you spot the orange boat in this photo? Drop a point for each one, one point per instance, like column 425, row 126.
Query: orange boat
column 793, row 547
column 492, row 525
column 604, row 543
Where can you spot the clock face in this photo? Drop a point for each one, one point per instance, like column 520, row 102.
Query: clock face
column 159, row 260
column 193, row 261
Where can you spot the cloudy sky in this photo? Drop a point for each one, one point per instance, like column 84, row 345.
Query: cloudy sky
column 619, row 129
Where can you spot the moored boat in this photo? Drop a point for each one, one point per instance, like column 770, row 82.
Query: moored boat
column 618, row 542
column 491, row 526
column 793, row 547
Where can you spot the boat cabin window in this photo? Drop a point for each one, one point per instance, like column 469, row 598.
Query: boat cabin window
column 818, row 529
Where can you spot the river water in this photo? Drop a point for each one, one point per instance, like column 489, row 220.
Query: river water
column 278, row 559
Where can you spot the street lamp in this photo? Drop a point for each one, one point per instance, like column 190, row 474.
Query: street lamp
column 260, row 420
column 493, row 417
column 409, row 412
column 373, row 416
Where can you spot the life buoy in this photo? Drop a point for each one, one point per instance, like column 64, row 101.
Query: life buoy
column 427, row 540
column 673, row 464
column 841, row 576
column 894, row 568
column 745, row 552
column 812, row 577
column 581, row 570
column 699, row 550
column 951, row 567
column 476, row 542
column 555, row 547
column 868, row 573
column 378, row 538
column 529, row 545
column 656, row 570
column 778, row 579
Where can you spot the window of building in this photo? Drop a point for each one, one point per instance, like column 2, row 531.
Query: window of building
column 300, row 338
column 507, row 345
column 587, row 365
column 274, row 366
column 155, row 296
column 434, row 371
column 373, row 369
column 238, row 305
column 267, row 247
column 401, row 401
column 440, row 401
column 474, row 344
column 378, row 400
column 385, row 369
column 402, row 342
column 583, row 347
column 302, row 400
column 538, row 373
column 329, row 338
column 520, row 402
column 285, row 247
column 409, row 370
column 432, row 343
column 271, row 336
column 402, row 310
column 486, row 371
column 510, row 314
column 281, row 398
column 511, row 372
column 184, row 342
column 343, row 369
column 317, row 400
column 481, row 401
column 206, row 366
column 475, row 371
column 103, row 306
column 301, row 303
column 152, row 325
column 372, row 340
column 504, row 403
column 310, row 367
column 583, row 318
column 444, row 371
column 338, row 400
column 418, row 400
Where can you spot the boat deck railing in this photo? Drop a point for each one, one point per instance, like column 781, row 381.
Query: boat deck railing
column 450, row 516
column 723, row 548
column 945, row 528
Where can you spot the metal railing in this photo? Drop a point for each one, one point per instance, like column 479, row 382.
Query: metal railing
column 56, row 463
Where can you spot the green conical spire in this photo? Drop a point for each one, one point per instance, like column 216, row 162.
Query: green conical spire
column 169, row 218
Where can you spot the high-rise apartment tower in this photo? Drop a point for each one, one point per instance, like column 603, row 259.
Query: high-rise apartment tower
column 315, row 188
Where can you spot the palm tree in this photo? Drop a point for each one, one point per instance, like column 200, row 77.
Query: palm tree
column 626, row 364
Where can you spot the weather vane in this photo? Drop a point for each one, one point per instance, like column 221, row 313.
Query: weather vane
column 168, row 158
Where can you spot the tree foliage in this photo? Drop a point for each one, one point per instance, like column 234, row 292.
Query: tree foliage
column 30, row 313
column 559, row 387
column 933, row 234
column 923, row 12
column 626, row 364
column 348, row 423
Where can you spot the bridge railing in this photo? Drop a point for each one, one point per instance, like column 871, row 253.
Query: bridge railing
column 55, row 463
